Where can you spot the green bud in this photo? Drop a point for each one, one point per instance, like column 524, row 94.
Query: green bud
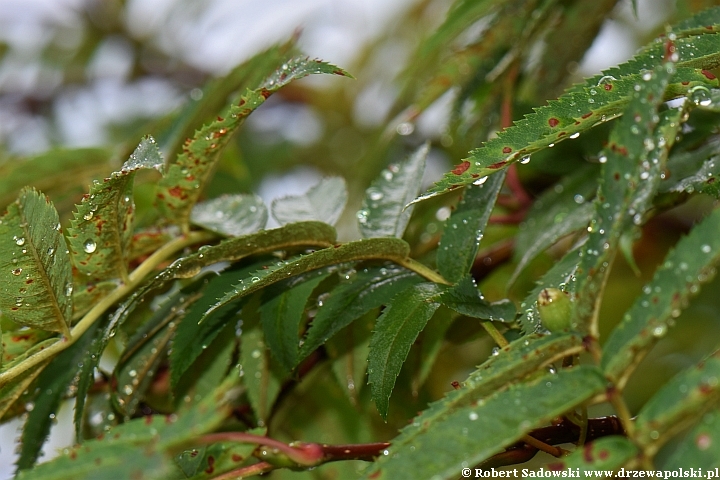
column 555, row 309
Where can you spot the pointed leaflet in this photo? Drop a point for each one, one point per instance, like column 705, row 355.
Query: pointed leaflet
column 260, row 376
column 464, row 229
column 209, row 461
column 231, row 215
column 699, row 447
column 465, row 299
column 559, row 211
column 35, row 265
column 324, row 202
column 367, row 289
column 679, row 403
column 282, row 315
column 690, row 264
column 431, row 342
column 183, row 183
column 115, row 455
column 583, row 106
column 521, row 358
column 102, row 228
column 372, row 248
column 626, row 155
column 383, row 212
column 607, row 453
column 694, row 170
column 395, row 332
column 348, row 353
column 54, row 381
column 473, row 433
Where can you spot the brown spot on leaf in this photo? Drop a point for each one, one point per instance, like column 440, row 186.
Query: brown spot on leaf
column 553, row 122
column 497, row 165
column 176, row 192
column 237, row 458
column 608, row 86
column 507, row 150
column 461, row 168
column 708, row 74
column 265, row 93
column 587, row 115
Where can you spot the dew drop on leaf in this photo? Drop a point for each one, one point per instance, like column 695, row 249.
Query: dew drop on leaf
column 480, row 180
column 525, row 160
column 88, row 216
column 700, row 95
column 89, row 246
column 17, row 271
column 19, row 240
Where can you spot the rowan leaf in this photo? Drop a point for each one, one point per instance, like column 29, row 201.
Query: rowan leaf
column 512, row 363
column 395, row 332
column 465, row 227
column 35, row 265
column 626, row 159
column 179, row 189
column 372, row 248
column 461, row 438
column 679, row 403
column 323, row 202
column 690, row 264
column 231, row 215
column 102, row 228
column 465, row 299
column 364, row 291
column 384, row 212
column 697, row 448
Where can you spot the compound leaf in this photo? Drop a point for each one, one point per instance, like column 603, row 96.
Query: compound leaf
column 606, row 453
column 231, row 215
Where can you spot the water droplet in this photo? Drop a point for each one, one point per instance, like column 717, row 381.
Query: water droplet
column 606, row 80
column 88, row 216
column 362, row 216
column 525, row 160
column 50, row 251
column 659, row 331
column 579, row 199
column 17, row 271
column 20, row 241
column 58, row 227
column 700, row 95
column 575, row 135
column 89, row 246
column 405, row 128
column 473, row 416
column 255, row 354
column 375, row 195
column 602, row 159
column 705, row 248
column 68, row 289
column 127, row 390
column 480, row 180
column 132, row 373
column 647, row 76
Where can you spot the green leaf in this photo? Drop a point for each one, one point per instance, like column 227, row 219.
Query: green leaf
column 364, row 291
column 261, row 379
column 281, row 317
column 626, row 158
column 607, row 454
column 678, row 404
column 55, row 381
column 384, row 212
column 462, row 438
column 17, row 342
column 102, row 227
column 559, row 211
column 464, row 229
column 348, row 352
column 395, row 332
column 560, row 276
column 180, row 188
column 231, row 215
column 212, row 460
column 686, row 267
column 35, row 264
column 694, row 170
column 699, row 447
column 324, row 202
column 431, row 342
column 521, row 358
column 373, row 248
column 581, row 107
column 17, row 390
column 115, row 455
column 86, row 375
column 465, row 299
column 193, row 336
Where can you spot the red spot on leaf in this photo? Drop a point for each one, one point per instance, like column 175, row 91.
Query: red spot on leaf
column 461, row 168
column 608, row 86
column 587, row 453
column 220, row 119
column 507, row 150
column 265, row 93
column 73, row 455
column 455, row 384
column 685, row 83
column 497, row 165
column 557, row 466
column 562, row 134
column 211, row 465
column 669, row 49
column 237, row 458
column 708, row 75
column 553, row 122
column 148, row 419
column 587, row 115
column 603, row 454
column 176, row 192
column 29, row 281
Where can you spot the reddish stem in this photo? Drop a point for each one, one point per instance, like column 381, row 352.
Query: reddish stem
column 244, row 472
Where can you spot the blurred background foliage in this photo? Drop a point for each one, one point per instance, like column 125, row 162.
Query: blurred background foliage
column 82, row 80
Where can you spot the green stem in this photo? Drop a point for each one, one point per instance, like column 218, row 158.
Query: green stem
column 422, row 270
column 494, row 333
column 623, row 413
column 134, row 279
